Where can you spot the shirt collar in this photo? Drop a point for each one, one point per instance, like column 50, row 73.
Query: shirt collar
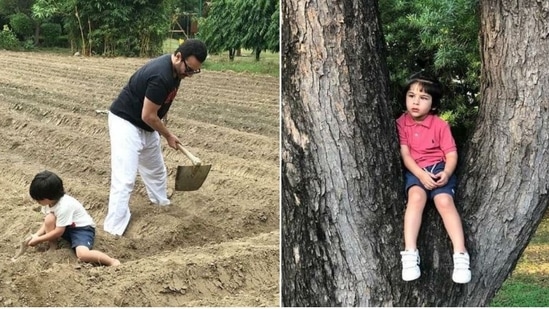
column 427, row 122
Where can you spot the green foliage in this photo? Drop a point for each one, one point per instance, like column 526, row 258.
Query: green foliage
column 267, row 65
column 188, row 6
column 461, row 118
column 118, row 28
column 28, row 44
column 22, row 25
column 8, row 40
column 45, row 9
column 9, row 7
column 220, row 29
column 257, row 16
column 233, row 24
column 439, row 37
column 50, row 33
column 273, row 32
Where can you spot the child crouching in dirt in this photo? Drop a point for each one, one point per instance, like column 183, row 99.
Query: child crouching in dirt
column 66, row 218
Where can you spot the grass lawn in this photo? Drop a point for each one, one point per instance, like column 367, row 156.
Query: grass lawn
column 528, row 286
column 268, row 63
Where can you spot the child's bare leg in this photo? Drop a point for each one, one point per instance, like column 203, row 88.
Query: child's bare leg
column 417, row 197
column 49, row 225
column 94, row 256
column 452, row 222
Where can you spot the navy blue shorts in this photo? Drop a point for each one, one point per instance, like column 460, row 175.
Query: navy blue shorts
column 79, row 236
column 411, row 180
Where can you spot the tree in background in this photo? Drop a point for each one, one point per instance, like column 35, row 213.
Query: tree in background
column 135, row 27
column 129, row 28
column 19, row 15
column 342, row 190
column 220, row 30
column 257, row 17
column 234, row 24
column 8, row 40
column 273, row 32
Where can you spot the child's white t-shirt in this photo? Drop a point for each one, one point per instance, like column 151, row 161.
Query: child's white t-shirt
column 69, row 212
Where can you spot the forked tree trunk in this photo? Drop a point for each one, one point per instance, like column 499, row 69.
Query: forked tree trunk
column 342, row 199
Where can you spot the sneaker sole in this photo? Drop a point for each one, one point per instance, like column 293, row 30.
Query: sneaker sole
column 411, row 278
column 461, row 282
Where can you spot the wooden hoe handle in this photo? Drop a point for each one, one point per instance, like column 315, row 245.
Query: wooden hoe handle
column 196, row 161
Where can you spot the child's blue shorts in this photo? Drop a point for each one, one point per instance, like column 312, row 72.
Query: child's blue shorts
column 411, row 180
column 79, row 236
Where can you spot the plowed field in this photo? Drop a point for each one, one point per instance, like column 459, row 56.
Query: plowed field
column 218, row 246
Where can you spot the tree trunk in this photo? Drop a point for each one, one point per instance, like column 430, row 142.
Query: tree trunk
column 505, row 182
column 231, row 54
column 90, row 49
column 83, row 48
column 342, row 199
column 257, row 52
column 340, row 158
column 37, row 33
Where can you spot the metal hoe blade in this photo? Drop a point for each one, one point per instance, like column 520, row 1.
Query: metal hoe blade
column 191, row 178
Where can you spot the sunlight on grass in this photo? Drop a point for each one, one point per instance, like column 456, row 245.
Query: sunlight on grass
column 528, row 286
column 268, row 63
column 520, row 293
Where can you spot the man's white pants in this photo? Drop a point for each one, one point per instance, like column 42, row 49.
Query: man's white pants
column 133, row 149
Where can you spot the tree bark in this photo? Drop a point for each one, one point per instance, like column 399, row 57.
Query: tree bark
column 257, row 52
column 37, row 24
column 505, row 182
column 340, row 158
column 342, row 197
column 83, row 47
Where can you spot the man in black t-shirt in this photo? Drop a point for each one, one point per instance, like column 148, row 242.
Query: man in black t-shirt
column 135, row 126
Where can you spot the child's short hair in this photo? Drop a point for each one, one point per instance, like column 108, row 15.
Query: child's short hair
column 46, row 185
column 428, row 84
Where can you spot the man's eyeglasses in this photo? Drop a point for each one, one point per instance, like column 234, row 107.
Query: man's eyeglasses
column 188, row 69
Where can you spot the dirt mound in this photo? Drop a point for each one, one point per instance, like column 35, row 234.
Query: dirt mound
column 217, row 246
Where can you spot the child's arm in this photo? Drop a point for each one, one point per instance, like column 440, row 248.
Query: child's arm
column 52, row 235
column 425, row 177
column 449, row 168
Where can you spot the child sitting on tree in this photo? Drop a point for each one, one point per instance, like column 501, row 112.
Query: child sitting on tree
column 430, row 156
column 66, row 218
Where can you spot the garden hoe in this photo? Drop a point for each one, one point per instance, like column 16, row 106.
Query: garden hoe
column 190, row 178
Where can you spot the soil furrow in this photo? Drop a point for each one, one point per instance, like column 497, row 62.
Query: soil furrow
column 217, row 246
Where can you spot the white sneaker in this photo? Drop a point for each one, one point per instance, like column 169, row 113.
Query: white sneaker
column 410, row 265
column 462, row 272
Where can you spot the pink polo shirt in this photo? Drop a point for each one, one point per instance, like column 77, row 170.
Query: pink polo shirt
column 428, row 141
